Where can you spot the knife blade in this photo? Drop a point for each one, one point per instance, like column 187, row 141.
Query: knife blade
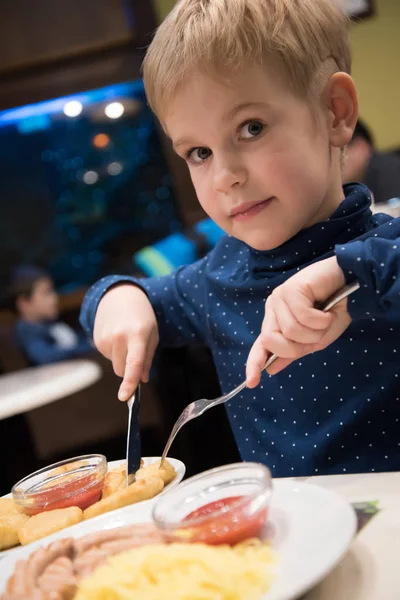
column 133, row 444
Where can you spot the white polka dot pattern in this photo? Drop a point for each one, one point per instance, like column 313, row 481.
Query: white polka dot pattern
column 335, row 411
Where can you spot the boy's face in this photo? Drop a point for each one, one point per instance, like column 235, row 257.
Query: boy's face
column 42, row 303
column 260, row 157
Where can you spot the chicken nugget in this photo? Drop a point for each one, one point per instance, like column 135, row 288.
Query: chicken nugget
column 46, row 523
column 9, row 507
column 167, row 471
column 115, row 480
column 142, row 489
column 9, row 527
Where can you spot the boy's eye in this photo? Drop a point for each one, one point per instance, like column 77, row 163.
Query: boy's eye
column 198, row 155
column 250, row 130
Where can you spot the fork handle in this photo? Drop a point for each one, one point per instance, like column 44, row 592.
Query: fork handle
column 326, row 307
column 168, row 445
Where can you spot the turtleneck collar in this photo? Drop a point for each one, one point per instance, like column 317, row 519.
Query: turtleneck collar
column 349, row 221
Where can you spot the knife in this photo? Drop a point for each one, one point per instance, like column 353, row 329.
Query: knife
column 133, row 445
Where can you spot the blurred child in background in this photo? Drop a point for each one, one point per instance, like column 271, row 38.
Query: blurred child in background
column 41, row 336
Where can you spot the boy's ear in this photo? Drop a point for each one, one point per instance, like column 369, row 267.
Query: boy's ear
column 343, row 107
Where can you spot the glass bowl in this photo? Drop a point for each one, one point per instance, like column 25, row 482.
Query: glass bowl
column 226, row 505
column 73, row 482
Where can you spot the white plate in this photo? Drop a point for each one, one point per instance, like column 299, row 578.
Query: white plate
column 312, row 527
column 180, row 473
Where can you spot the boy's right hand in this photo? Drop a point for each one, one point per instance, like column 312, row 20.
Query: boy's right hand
column 126, row 332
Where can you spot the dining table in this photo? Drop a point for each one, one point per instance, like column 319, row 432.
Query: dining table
column 24, row 390
column 371, row 568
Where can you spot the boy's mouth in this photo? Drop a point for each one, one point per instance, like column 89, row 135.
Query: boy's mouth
column 248, row 209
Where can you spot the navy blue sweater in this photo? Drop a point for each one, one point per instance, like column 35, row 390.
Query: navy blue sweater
column 39, row 346
column 333, row 411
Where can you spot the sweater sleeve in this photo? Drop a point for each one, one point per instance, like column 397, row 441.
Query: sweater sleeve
column 374, row 260
column 40, row 352
column 177, row 299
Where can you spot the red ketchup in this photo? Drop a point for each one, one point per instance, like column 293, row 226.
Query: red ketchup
column 81, row 492
column 230, row 527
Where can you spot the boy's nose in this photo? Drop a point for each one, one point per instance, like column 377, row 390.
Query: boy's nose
column 228, row 177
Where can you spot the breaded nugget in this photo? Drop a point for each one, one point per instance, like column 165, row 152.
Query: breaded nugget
column 9, row 527
column 142, row 489
column 9, row 507
column 115, row 480
column 49, row 522
column 167, row 472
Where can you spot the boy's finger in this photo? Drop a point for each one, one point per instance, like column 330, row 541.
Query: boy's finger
column 118, row 359
column 278, row 365
column 292, row 329
column 148, row 361
column 133, row 370
column 307, row 315
column 280, row 345
column 255, row 363
column 147, row 366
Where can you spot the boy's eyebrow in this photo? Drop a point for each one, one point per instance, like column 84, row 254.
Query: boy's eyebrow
column 180, row 142
column 238, row 108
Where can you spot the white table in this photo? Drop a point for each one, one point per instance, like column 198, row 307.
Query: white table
column 371, row 569
column 25, row 390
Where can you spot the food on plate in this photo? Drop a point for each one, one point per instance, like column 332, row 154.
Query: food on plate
column 54, row 515
column 149, row 482
column 49, row 522
column 9, row 507
column 47, row 573
column 59, row 567
column 167, row 471
column 189, row 571
column 75, row 482
column 115, row 480
column 9, row 528
column 142, row 489
column 135, row 562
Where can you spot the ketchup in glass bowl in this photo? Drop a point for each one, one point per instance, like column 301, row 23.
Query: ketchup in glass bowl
column 73, row 482
column 226, row 505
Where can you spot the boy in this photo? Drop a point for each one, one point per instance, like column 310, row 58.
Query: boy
column 256, row 96
column 40, row 336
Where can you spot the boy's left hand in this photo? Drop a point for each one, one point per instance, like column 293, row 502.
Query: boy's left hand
column 292, row 326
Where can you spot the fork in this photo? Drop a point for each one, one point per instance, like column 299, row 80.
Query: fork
column 199, row 407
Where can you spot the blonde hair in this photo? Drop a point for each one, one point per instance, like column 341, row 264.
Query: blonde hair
column 306, row 39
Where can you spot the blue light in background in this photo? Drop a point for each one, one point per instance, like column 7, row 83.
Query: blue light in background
column 33, row 123
column 85, row 227
column 14, row 116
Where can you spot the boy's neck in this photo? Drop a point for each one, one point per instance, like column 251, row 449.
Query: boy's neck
column 334, row 197
column 28, row 318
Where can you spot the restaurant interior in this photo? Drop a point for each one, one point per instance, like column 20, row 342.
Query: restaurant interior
column 90, row 187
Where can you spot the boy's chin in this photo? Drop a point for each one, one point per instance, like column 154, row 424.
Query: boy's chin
column 52, row 316
column 265, row 241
